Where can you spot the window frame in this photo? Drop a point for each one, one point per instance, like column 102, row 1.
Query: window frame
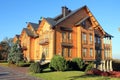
column 91, row 52
column 84, row 38
column 84, row 52
column 91, row 38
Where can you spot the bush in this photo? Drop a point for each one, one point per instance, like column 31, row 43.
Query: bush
column 115, row 65
column 77, row 64
column 89, row 67
column 69, row 65
column 35, row 67
column 58, row 63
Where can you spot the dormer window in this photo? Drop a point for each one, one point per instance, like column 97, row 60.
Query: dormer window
column 83, row 24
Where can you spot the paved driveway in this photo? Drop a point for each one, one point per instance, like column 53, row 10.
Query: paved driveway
column 11, row 74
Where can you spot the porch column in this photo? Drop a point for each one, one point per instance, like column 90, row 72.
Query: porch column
column 107, row 66
column 111, row 69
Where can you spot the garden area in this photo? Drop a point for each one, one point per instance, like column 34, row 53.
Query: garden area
column 58, row 69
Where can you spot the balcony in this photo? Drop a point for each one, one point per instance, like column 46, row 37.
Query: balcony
column 24, row 47
column 44, row 41
column 67, row 43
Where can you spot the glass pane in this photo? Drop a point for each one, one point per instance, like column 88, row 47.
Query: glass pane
column 91, row 52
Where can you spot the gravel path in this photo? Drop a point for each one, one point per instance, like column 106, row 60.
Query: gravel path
column 7, row 73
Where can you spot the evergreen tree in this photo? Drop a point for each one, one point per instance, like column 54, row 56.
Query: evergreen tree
column 15, row 54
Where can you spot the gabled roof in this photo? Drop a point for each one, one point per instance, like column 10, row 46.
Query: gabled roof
column 17, row 36
column 71, row 13
column 30, row 33
column 108, row 35
column 54, row 21
column 34, row 25
column 51, row 21
column 82, row 20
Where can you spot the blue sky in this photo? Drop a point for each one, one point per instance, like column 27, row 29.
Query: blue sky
column 15, row 13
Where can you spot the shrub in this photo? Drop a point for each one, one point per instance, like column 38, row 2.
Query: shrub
column 69, row 65
column 96, row 71
column 116, row 64
column 35, row 67
column 58, row 63
column 77, row 64
column 89, row 67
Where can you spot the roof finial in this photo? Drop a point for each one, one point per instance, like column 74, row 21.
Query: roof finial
column 41, row 18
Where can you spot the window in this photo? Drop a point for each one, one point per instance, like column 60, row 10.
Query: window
column 91, row 38
column 84, row 38
column 45, row 51
column 105, row 53
column 83, row 24
column 84, row 52
column 99, row 53
column 108, row 53
column 66, row 52
column 91, row 52
column 69, row 52
column 63, row 52
column 69, row 36
column 98, row 40
column 95, row 39
column 63, row 36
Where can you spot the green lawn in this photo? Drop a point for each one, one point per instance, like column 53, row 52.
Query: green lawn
column 4, row 64
column 69, row 75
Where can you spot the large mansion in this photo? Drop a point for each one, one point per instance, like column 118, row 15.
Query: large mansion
column 70, row 34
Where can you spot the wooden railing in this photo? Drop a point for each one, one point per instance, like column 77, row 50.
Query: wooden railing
column 67, row 41
column 44, row 41
column 24, row 47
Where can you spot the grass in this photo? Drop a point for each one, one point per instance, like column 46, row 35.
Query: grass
column 4, row 64
column 69, row 75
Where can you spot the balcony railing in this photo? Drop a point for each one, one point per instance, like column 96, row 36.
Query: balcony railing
column 44, row 41
column 67, row 42
column 24, row 47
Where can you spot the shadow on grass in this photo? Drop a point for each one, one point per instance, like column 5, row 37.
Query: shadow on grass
column 47, row 71
column 86, row 77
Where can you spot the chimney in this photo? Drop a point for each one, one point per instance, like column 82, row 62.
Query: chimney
column 65, row 11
